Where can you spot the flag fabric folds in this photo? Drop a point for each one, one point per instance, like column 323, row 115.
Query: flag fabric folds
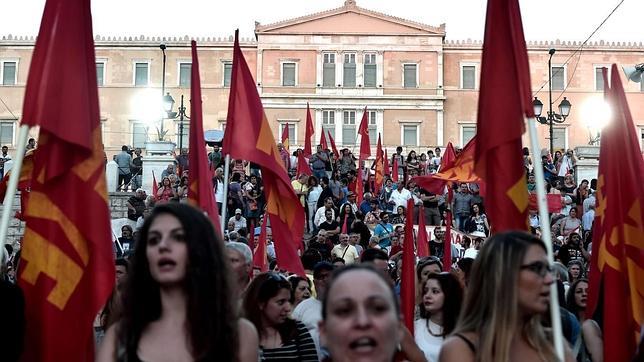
column 155, row 185
column 260, row 259
column 200, row 192
column 284, row 139
column 407, row 280
column 422, row 240
column 379, row 178
column 303, row 166
column 333, row 147
column 249, row 137
column 363, row 131
column 67, row 266
column 453, row 169
column 505, row 84
column 310, row 128
column 323, row 143
column 617, row 259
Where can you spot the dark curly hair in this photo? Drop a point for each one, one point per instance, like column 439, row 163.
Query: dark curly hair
column 452, row 301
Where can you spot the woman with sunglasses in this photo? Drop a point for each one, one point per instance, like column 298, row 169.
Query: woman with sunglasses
column 267, row 304
column 509, row 291
column 442, row 296
column 177, row 304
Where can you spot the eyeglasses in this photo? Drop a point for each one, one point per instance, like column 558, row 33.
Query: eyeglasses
column 538, row 267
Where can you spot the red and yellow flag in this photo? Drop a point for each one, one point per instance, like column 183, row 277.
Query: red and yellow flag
column 453, row 169
column 505, row 84
column 249, row 137
column 200, row 192
column 284, row 139
column 379, row 168
column 617, row 264
column 363, row 131
column 67, row 267
column 310, row 128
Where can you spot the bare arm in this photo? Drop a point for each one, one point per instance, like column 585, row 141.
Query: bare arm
column 410, row 349
column 107, row 348
column 454, row 349
column 248, row 341
column 593, row 340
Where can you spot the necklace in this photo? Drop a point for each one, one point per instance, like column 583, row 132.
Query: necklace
column 429, row 329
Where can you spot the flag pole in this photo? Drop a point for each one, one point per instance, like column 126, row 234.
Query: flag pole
column 13, row 185
column 224, row 202
column 546, row 237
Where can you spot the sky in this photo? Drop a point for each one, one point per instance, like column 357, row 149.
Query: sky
column 465, row 19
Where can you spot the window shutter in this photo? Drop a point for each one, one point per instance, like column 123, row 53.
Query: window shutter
column 410, row 76
column 288, row 73
column 469, row 77
column 9, row 73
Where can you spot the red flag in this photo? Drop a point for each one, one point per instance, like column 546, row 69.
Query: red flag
column 453, row 169
column 423, row 240
column 359, row 184
column 310, row 128
column 394, row 171
column 379, row 178
column 284, row 139
column 303, row 166
column 155, row 185
column 617, row 259
column 505, row 84
column 363, row 130
column 259, row 256
column 386, row 162
column 249, row 137
column 323, row 140
column 407, row 280
column 333, row 147
column 344, row 224
column 67, row 266
column 200, row 192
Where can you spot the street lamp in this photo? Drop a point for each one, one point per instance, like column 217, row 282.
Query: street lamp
column 161, row 132
column 552, row 117
column 168, row 103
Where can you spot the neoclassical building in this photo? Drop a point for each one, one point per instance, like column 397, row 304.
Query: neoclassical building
column 420, row 90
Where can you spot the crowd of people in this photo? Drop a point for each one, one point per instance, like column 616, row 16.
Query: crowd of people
column 182, row 293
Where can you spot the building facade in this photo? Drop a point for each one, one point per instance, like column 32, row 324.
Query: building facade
column 420, row 91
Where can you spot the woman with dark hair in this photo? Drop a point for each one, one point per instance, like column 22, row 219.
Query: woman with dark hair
column 176, row 303
column 182, row 189
column 577, row 297
column 412, row 164
column 439, row 310
column 478, row 221
column 346, row 211
column 165, row 191
column 508, row 293
column 300, row 289
column 399, row 217
column 267, row 305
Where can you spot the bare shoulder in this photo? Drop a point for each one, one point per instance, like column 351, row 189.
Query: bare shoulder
column 455, row 349
column 107, row 348
column 248, row 341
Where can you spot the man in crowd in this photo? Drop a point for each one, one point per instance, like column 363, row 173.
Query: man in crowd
column 345, row 251
column 400, row 195
column 286, row 158
column 322, row 244
column 123, row 160
column 241, row 262
column 318, row 163
column 136, row 205
column 136, row 169
column 170, row 170
column 301, row 188
column 462, row 205
column 320, row 214
column 182, row 159
column 588, row 218
column 573, row 250
column 215, row 157
column 238, row 220
column 4, row 158
column 384, row 230
column 331, row 226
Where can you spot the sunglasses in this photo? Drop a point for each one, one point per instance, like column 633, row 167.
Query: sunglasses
column 538, row 267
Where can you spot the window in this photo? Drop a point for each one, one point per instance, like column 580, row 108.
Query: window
column 328, row 70
column 349, row 127
column 185, row 70
column 558, row 78
column 468, row 132
column 349, row 71
column 6, row 133
column 370, row 70
column 183, row 136
column 291, row 133
column 9, row 73
column 373, row 128
column 100, row 73
column 559, row 138
column 641, row 137
column 288, row 74
column 468, row 76
column 409, row 75
column 328, row 123
column 599, row 78
column 141, row 74
column 228, row 72
column 139, row 134
column 410, row 135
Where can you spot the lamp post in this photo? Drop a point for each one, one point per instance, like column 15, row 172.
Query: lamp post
column 564, row 107
column 163, row 47
column 168, row 103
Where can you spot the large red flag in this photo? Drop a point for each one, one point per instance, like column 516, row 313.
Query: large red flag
column 363, row 131
column 379, row 168
column 200, row 192
column 407, row 280
column 422, row 240
column 155, row 185
column 345, row 227
column 505, row 84
column 310, row 128
column 284, row 139
column 323, row 143
column 259, row 256
column 67, row 266
column 359, row 183
column 617, row 264
column 303, row 166
column 333, row 147
column 249, row 137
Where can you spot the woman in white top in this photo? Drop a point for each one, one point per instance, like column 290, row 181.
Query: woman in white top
column 439, row 310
